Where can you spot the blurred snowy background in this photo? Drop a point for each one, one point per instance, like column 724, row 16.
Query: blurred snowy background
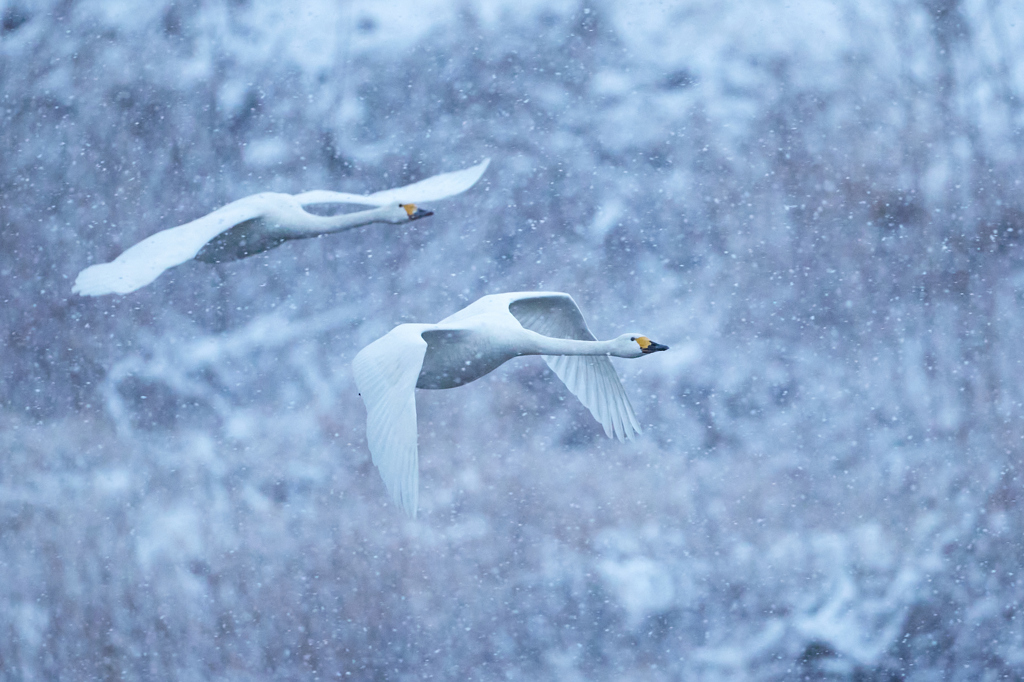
column 817, row 205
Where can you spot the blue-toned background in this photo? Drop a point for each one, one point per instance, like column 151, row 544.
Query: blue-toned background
column 817, row 205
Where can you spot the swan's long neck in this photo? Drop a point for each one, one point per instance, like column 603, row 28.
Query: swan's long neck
column 546, row 345
column 316, row 225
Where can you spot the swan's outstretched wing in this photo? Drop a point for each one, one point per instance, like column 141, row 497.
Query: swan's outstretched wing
column 141, row 264
column 386, row 373
column 431, row 189
column 591, row 378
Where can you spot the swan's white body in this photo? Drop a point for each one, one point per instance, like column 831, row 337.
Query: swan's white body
column 467, row 345
column 260, row 222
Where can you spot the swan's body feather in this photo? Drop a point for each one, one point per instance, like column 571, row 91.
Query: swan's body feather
column 471, row 343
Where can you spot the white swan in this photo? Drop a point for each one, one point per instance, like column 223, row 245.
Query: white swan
column 467, row 345
column 260, row 222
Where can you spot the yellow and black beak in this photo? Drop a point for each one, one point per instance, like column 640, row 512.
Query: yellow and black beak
column 647, row 346
column 416, row 213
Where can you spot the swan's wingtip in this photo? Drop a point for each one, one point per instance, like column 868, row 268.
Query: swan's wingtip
column 96, row 281
column 85, row 284
column 476, row 172
column 408, row 504
column 629, row 433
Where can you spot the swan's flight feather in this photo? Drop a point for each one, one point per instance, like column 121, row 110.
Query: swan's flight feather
column 430, row 189
column 594, row 381
column 386, row 373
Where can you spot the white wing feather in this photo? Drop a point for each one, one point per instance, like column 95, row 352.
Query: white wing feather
column 145, row 261
column 386, row 372
column 430, row 189
column 591, row 378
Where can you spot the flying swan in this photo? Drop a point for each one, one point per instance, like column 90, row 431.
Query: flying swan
column 467, row 345
column 260, row 222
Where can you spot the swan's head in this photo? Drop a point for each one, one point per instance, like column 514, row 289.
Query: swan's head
column 414, row 213
column 399, row 214
column 635, row 345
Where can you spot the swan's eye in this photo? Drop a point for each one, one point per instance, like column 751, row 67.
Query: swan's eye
column 632, row 338
column 409, row 208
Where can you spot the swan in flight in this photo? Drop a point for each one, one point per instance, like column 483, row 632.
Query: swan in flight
column 467, row 345
column 260, row 222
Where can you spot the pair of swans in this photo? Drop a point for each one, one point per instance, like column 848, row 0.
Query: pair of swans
column 459, row 349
